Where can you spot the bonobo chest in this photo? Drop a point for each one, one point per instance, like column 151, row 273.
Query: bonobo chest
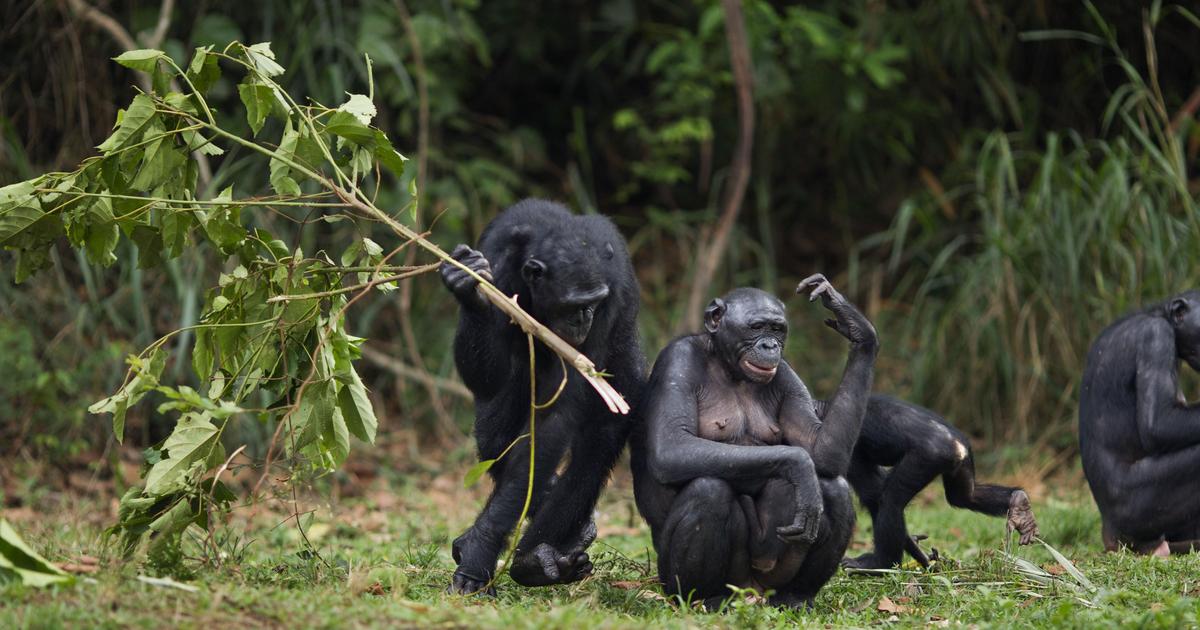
column 737, row 413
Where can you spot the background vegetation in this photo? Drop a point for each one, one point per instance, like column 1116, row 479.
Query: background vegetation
column 994, row 181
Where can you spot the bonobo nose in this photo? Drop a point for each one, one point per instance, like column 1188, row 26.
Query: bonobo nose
column 770, row 344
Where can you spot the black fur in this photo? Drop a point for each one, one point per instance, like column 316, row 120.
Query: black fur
column 1139, row 440
column 573, row 274
column 919, row 445
column 739, row 477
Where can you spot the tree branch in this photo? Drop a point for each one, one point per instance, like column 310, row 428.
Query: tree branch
column 400, row 368
column 739, row 169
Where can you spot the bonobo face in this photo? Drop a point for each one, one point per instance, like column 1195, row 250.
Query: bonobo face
column 1183, row 311
column 568, row 288
column 748, row 330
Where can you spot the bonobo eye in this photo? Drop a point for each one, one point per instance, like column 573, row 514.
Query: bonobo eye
column 778, row 328
column 756, row 326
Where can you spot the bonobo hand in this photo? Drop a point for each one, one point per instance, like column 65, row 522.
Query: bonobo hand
column 460, row 283
column 468, row 580
column 805, row 526
column 848, row 321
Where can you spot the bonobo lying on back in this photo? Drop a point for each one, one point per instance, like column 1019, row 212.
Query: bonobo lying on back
column 739, row 477
column 1138, row 438
column 573, row 274
column 919, row 445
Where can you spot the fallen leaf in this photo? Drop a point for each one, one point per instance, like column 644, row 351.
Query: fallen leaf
column 1053, row 568
column 888, row 606
column 955, row 532
column 903, row 600
column 166, row 583
column 375, row 589
column 72, row 567
column 652, row 596
column 627, row 585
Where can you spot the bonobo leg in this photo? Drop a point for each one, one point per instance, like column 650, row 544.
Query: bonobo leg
column 776, row 545
column 478, row 548
column 986, row 498
column 821, row 560
column 702, row 545
column 1157, row 496
column 912, row 473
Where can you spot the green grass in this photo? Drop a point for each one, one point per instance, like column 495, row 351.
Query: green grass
column 388, row 564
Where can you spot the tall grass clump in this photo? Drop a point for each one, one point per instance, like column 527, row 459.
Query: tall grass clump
column 1003, row 282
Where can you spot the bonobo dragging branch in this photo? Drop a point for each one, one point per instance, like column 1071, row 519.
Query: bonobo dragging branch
column 1138, row 437
column 739, row 477
column 573, row 274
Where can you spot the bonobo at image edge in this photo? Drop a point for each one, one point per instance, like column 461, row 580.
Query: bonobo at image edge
column 573, row 274
column 1138, row 437
column 740, row 479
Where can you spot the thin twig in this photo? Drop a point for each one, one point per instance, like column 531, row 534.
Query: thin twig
column 400, row 368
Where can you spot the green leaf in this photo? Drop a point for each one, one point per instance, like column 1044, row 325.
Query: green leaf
column 316, row 404
column 144, row 60
column 160, row 162
column 29, row 567
column 263, row 59
column 389, row 157
column 101, row 242
column 130, row 124
column 281, row 180
column 175, row 226
column 146, row 373
column 361, row 107
column 194, row 439
column 18, row 210
column 203, row 70
column 356, row 409
column 202, row 355
column 258, row 100
column 348, row 126
column 477, row 471
column 149, row 246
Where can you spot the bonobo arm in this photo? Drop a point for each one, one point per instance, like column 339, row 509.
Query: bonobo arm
column 676, row 454
column 482, row 345
column 1164, row 424
column 831, row 439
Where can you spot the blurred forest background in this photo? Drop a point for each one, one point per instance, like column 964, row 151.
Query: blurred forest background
column 992, row 180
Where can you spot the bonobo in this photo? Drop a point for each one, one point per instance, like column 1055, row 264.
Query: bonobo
column 573, row 274
column 919, row 445
column 739, row 477
column 1139, row 440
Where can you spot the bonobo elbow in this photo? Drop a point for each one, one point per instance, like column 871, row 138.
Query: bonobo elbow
column 832, row 465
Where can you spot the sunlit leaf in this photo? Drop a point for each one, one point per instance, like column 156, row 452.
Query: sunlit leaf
column 145, row 59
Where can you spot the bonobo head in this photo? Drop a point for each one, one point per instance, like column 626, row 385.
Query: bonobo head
column 748, row 329
column 567, row 284
column 1183, row 311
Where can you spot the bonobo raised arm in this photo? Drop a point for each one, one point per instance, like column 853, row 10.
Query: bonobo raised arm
column 738, row 477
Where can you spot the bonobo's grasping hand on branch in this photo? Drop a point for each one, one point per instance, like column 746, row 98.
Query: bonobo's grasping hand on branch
column 735, row 472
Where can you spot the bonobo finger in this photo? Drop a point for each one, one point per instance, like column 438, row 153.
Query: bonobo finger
column 814, row 280
column 832, row 323
column 546, row 557
column 822, row 289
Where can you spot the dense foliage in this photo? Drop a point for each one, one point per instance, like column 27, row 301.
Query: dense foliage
column 997, row 179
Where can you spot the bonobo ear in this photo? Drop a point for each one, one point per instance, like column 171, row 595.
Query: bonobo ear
column 532, row 270
column 1177, row 309
column 713, row 315
column 608, row 251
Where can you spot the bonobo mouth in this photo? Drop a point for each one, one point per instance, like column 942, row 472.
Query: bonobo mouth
column 758, row 372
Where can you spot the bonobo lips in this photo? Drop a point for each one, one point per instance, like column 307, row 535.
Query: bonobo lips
column 758, row 371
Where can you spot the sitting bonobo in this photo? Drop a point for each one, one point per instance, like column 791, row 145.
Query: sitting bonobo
column 739, row 478
column 1138, row 438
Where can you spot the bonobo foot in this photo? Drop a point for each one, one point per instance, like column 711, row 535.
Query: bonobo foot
column 847, row 320
column 545, row 565
column 461, row 283
column 869, row 561
column 1020, row 517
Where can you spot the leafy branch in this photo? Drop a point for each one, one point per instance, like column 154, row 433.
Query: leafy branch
column 273, row 329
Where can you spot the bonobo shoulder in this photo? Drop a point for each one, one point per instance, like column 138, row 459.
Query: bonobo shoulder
column 681, row 356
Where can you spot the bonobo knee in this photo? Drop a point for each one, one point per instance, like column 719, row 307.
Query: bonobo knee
column 836, row 492
column 708, row 490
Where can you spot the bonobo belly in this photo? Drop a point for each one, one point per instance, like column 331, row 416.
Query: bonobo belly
column 731, row 420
